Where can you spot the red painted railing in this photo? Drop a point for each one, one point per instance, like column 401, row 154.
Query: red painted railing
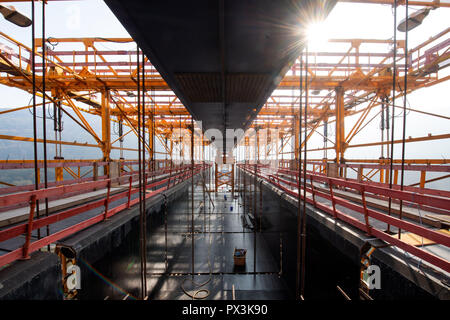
column 161, row 166
column 416, row 190
column 370, row 172
column 31, row 197
column 442, row 203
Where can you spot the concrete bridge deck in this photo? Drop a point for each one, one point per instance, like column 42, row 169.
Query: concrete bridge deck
column 222, row 222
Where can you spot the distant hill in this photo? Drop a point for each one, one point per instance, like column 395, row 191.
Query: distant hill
column 20, row 123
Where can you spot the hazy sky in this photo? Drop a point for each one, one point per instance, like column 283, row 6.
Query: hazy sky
column 93, row 18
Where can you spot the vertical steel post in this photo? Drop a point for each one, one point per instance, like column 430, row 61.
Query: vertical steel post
column 26, row 245
column 144, row 195
column 254, row 199
column 340, row 128
column 382, row 126
column 245, row 175
column 108, row 192
column 405, row 84
column 260, row 184
column 204, row 182
column 302, row 288
column 299, row 168
column 238, row 169
column 192, row 195
column 166, row 262
column 129, row 192
column 106, row 129
column 394, row 84
column 297, row 143
column 33, row 70
column 44, row 113
column 141, row 209
column 260, row 205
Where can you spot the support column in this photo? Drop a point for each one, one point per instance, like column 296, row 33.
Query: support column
column 216, row 181
column 151, row 141
column 57, row 128
column 106, row 130
column 340, row 127
column 59, row 174
column 297, row 147
column 232, row 179
column 257, row 146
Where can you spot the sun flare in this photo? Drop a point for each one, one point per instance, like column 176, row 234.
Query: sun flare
column 317, row 34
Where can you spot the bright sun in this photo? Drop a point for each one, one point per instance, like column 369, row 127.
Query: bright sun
column 317, row 34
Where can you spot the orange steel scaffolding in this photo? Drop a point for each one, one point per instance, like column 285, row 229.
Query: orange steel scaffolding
column 352, row 79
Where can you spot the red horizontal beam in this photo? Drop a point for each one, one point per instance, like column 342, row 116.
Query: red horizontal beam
column 408, row 167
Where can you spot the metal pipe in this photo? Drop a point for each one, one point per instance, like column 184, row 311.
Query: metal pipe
column 297, row 282
column 44, row 114
column 254, row 200
column 281, row 254
column 382, row 126
column 144, row 215
column 303, row 285
column 394, row 80
column 192, row 195
column 245, row 178
column 153, row 128
column 204, row 183
column 404, row 114
column 33, row 70
column 166, row 262
column 141, row 236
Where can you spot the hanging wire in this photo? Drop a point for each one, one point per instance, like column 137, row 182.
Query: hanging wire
column 144, row 217
column 115, row 129
column 52, row 44
column 141, row 209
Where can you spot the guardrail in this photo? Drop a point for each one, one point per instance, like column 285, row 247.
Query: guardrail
column 378, row 171
column 31, row 197
column 365, row 190
column 73, row 168
column 119, row 180
column 435, row 192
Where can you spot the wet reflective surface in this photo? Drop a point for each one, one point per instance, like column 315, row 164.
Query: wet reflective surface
column 218, row 230
column 220, row 226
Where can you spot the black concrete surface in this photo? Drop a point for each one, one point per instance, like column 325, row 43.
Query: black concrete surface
column 326, row 266
column 38, row 278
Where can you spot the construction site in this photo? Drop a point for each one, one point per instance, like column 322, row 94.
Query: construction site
column 225, row 150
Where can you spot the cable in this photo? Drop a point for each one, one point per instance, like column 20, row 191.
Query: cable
column 54, row 44
column 206, row 292
column 115, row 129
